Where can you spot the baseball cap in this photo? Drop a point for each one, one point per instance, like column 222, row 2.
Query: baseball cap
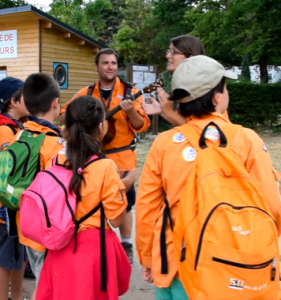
column 198, row 75
column 8, row 86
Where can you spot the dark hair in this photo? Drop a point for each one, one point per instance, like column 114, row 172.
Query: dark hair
column 202, row 106
column 16, row 96
column 189, row 45
column 105, row 51
column 39, row 91
column 82, row 119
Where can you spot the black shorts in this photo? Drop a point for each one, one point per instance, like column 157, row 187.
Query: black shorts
column 7, row 251
column 131, row 198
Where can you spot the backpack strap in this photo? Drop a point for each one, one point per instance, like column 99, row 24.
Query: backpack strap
column 226, row 134
column 191, row 135
column 102, row 231
column 163, row 249
column 12, row 128
column 91, row 89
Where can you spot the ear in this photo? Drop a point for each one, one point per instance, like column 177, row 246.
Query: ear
column 96, row 67
column 13, row 103
column 216, row 98
column 101, row 129
column 56, row 103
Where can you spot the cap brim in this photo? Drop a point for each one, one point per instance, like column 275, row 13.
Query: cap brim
column 230, row 75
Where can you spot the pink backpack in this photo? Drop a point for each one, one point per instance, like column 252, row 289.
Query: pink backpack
column 47, row 209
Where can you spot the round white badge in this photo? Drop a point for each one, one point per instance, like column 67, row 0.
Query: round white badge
column 189, row 154
column 179, row 138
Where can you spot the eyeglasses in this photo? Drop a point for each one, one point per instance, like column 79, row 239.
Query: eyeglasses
column 173, row 52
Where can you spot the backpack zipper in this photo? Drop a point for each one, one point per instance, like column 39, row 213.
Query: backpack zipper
column 45, row 208
column 207, row 220
column 27, row 160
column 251, row 267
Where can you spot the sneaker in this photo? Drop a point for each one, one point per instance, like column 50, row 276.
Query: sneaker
column 129, row 251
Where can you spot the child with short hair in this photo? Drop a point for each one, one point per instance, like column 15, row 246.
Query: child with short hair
column 68, row 275
column 11, row 265
column 199, row 85
column 41, row 94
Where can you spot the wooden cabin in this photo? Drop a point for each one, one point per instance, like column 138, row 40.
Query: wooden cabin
column 32, row 41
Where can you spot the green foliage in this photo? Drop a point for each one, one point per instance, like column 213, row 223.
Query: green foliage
column 254, row 104
column 105, row 17
column 147, row 28
column 72, row 12
column 11, row 3
column 233, row 29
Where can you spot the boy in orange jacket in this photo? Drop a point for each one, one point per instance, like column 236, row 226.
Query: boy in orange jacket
column 41, row 93
column 198, row 84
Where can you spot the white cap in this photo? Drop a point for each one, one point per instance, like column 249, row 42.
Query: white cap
column 198, row 75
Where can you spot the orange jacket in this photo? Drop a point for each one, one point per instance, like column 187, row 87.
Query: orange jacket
column 103, row 183
column 125, row 160
column 6, row 136
column 164, row 175
column 50, row 147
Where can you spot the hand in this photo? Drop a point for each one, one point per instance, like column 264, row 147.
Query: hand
column 146, row 274
column 127, row 105
column 129, row 179
column 165, row 103
column 152, row 109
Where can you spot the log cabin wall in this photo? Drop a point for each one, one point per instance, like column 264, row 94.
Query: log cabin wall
column 59, row 46
column 27, row 60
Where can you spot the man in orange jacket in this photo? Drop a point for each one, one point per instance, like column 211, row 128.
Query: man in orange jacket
column 131, row 119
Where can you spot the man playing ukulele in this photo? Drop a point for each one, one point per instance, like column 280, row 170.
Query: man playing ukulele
column 128, row 121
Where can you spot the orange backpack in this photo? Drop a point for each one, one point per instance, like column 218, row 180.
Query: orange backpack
column 225, row 238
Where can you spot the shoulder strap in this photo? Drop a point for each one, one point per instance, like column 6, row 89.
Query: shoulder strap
column 191, row 135
column 128, row 87
column 12, row 128
column 91, row 89
column 226, row 135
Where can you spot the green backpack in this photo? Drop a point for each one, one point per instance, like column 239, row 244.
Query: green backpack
column 19, row 164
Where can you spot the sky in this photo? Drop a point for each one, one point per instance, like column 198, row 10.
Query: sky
column 39, row 3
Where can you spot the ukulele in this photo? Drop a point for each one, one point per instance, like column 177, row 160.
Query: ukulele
column 109, row 123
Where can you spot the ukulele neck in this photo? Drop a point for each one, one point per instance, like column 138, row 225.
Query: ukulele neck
column 118, row 107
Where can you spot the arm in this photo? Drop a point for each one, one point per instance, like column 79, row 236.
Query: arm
column 113, row 195
column 129, row 179
column 150, row 199
column 164, row 108
column 261, row 170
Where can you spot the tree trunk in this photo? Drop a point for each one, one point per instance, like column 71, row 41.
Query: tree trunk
column 263, row 69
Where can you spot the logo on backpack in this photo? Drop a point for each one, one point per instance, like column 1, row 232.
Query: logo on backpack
column 236, row 284
column 238, row 229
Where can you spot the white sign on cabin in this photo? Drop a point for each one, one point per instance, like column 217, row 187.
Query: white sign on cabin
column 8, row 44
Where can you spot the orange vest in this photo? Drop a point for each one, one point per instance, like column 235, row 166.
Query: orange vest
column 125, row 160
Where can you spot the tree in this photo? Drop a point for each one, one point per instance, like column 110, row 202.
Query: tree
column 147, row 28
column 233, row 29
column 11, row 3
